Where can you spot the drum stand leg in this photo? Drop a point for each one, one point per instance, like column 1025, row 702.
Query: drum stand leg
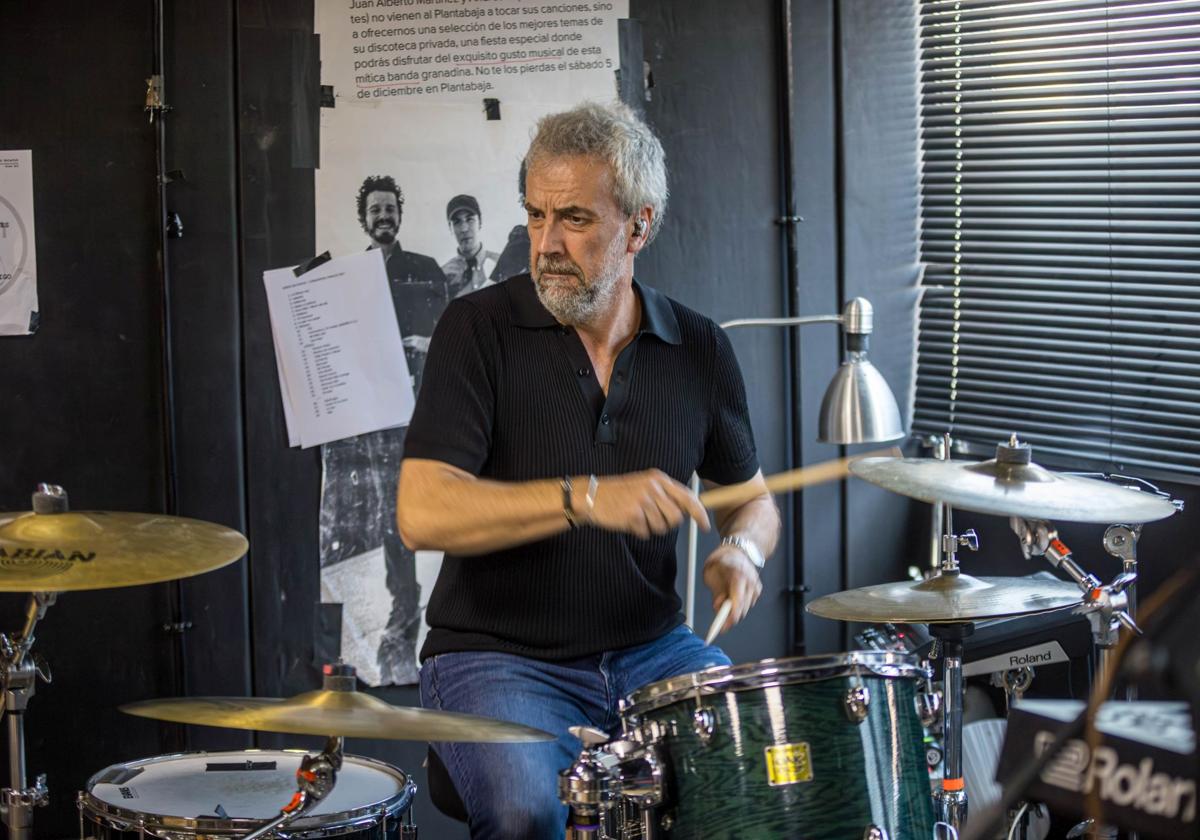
column 951, row 799
column 19, row 673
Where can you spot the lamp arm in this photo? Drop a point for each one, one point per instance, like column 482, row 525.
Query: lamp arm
column 784, row 322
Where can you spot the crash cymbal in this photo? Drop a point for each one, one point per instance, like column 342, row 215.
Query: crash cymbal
column 345, row 713
column 1011, row 485
column 945, row 598
column 60, row 552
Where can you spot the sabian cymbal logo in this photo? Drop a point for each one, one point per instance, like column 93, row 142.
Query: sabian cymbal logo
column 46, row 561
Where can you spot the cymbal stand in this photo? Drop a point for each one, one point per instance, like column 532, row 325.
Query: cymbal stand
column 1106, row 605
column 1121, row 542
column 314, row 780
column 19, row 672
column 951, row 799
column 941, row 451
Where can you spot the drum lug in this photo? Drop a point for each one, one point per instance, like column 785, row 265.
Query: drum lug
column 650, row 732
column 704, row 723
column 856, row 704
column 874, row 832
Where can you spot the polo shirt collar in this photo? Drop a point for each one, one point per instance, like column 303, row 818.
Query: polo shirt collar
column 658, row 318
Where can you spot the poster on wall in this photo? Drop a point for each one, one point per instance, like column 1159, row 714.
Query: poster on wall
column 18, row 251
column 434, row 102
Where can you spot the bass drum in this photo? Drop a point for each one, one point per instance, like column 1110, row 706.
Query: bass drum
column 229, row 794
column 808, row 747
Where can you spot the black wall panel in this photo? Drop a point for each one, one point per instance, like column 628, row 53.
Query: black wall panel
column 282, row 484
column 815, row 151
column 84, row 393
column 879, row 223
column 713, row 104
column 207, row 348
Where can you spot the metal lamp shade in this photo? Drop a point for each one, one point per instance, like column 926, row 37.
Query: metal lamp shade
column 859, row 407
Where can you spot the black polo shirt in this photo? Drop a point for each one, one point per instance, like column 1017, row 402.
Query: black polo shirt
column 509, row 395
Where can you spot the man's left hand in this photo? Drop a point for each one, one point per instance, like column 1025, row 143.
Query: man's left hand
column 731, row 576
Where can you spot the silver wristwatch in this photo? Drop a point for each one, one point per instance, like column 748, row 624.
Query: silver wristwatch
column 746, row 547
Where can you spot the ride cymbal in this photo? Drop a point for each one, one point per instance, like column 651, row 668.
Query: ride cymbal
column 347, row 714
column 1012, row 485
column 61, row 552
column 947, row 598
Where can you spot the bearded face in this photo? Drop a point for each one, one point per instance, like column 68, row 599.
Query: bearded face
column 578, row 237
column 569, row 294
column 381, row 220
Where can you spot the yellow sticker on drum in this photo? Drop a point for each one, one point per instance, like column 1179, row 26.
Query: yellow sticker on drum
column 788, row 764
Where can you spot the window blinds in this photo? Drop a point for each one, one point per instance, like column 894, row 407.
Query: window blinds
column 1061, row 230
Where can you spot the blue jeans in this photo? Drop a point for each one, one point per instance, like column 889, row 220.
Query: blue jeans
column 511, row 790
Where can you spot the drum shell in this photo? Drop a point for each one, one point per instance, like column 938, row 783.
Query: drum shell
column 863, row 773
column 103, row 820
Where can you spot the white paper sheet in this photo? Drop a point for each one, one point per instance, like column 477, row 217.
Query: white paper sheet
column 18, row 251
column 339, row 349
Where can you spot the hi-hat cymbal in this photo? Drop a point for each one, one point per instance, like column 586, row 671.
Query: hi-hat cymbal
column 345, row 713
column 61, row 552
column 1013, row 489
column 946, row 598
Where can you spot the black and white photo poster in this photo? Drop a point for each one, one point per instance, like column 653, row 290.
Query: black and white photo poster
column 434, row 105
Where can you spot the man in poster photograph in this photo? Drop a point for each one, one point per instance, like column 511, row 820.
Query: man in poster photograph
column 514, row 259
column 469, row 269
column 360, row 490
column 419, row 288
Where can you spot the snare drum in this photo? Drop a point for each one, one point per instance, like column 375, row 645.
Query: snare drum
column 812, row 747
column 225, row 794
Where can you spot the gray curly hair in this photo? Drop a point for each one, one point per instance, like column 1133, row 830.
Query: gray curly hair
column 615, row 134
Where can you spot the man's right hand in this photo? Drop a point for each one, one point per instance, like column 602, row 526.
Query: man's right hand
column 643, row 503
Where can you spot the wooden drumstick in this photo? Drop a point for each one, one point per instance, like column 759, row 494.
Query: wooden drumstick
column 718, row 622
column 735, row 494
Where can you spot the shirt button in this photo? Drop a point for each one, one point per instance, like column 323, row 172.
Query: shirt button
column 583, row 371
column 604, row 419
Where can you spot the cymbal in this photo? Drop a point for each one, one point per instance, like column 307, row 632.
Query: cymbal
column 60, row 552
column 1006, row 489
column 945, row 598
column 348, row 714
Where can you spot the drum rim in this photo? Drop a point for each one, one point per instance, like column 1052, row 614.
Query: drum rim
column 310, row 826
column 766, row 673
